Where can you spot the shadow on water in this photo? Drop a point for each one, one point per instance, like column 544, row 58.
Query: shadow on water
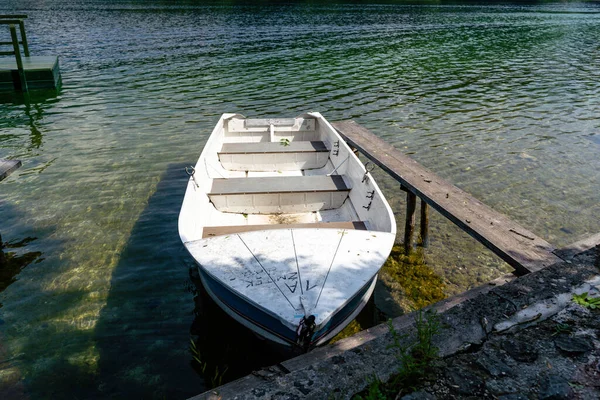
column 142, row 334
column 222, row 349
column 407, row 283
column 16, row 255
column 160, row 335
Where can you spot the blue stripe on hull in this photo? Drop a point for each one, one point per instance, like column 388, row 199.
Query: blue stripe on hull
column 247, row 311
column 344, row 313
column 260, row 318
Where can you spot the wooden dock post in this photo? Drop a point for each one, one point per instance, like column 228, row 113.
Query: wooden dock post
column 409, row 227
column 24, row 36
column 20, row 82
column 424, row 224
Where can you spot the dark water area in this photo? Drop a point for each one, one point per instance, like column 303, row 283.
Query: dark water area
column 100, row 300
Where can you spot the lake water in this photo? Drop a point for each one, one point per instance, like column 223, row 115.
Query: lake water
column 502, row 100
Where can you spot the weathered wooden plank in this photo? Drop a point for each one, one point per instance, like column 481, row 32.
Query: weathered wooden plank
column 21, row 83
column 30, row 63
column 522, row 249
column 7, row 167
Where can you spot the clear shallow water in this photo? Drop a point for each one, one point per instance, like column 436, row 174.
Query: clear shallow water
column 503, row 101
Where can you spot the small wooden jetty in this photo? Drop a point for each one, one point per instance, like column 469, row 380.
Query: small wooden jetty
column 522, row 249
column 24, row 72
column 7, row 167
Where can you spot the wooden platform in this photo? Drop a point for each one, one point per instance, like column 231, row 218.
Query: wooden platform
column 522, row 249
column 41, row 72
column 7, row 167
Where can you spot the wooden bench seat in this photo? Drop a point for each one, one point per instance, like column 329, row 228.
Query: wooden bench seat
column 278, row 184
column 274, row 156
column 273, row 147
column 210, row 231
column 278, row 194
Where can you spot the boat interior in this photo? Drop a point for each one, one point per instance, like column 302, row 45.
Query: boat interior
column 257, row 174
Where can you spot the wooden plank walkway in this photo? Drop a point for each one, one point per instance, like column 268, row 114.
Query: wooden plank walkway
column 522, row 249
column 7, row 167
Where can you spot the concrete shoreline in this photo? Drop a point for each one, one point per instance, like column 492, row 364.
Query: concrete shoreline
column 505, row 309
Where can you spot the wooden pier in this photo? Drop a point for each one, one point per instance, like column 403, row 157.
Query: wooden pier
column 24, row 72
column 522, row 249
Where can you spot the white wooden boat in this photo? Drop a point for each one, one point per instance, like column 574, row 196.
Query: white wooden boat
column 288, row 228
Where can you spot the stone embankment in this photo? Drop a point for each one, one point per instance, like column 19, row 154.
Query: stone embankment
column 521, row 338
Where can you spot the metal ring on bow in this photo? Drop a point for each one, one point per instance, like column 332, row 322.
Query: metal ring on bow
column 187, row 171
column 368, row 167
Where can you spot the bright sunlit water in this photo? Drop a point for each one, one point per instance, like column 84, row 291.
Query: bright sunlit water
column 503, row 101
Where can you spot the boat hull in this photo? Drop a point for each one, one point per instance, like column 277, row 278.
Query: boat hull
column 265, row 326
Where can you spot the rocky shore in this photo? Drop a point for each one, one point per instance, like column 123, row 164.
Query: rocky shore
column 558, row 358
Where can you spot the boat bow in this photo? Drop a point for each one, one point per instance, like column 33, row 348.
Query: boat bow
column 293, row 273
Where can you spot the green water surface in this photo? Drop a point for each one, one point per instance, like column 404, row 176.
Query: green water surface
column 502, row 100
